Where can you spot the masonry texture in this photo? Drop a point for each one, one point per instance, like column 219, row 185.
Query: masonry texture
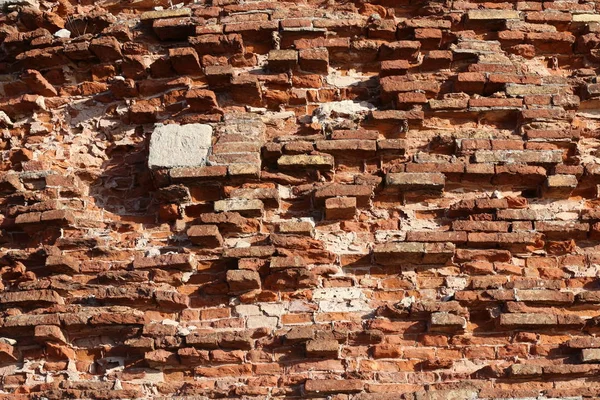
column 345, row 200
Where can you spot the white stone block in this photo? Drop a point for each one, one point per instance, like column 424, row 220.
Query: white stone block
column 179, row 145
column 244, row 310
column 344, row 306
column 338, row 294
column 273, row 310
column 262, row 322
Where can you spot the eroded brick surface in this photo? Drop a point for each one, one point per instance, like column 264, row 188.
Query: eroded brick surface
column 371, row 200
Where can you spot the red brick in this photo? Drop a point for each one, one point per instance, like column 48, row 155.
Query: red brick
column 106, row 48
column 470, row 82
column 243, row 280
column 185, row 61
column 340, row 207
column 174, row 28
column 493, row 102
column 322, row 348
column 38, row 84
column 205, row 235
column 314, row 60
column 201, row 100
column 333, row 386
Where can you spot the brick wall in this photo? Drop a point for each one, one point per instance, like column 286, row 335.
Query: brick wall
column 346, row 200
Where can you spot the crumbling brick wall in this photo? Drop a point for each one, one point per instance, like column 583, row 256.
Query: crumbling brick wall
column 385, row 199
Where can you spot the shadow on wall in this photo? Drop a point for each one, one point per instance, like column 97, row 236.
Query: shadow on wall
column 125, row 185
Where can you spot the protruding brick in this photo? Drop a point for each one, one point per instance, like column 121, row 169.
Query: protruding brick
column 413, row 252
column 177, row 28
column 242, row 280
column 322, row 348
column 590, row 355
column 31, row 297
column 407, row 181
column 298, row 228
column 201, row 100
column 171, row 299
column 314, row 60
column 282, row 60
column 322, row 161
column 559, row 186
column 287, row 262
column 172, row 13
column 205, row 235
column 519, row 156
column 62, row 264
column 328, row 386
column 443, row 321
column 185, row 61
column 184, row 262
column 340, row 207
column 8, row 353
column 37, row 83
column 246, row 207
column 106, row 48
column 527, row 319
column 51, row 333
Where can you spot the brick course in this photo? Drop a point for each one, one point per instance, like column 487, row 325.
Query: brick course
column 390, row 200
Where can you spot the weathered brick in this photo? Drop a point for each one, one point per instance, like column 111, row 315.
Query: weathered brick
column 243, row 280
column 283, row 60
column 31, row 297
column 246, row 207
column 323, row 161
column 436, row 236
column 185, row 262
column 563, row 229
column 559, row 186
column 298, row 228
column 106, row 48
column 62, row 217
column 527, row 319
column 49, row 333
column 545, row 296
column 340, row 207
column 491, row 15
column 495, row 102
column 246, row 89
column 481, row 226
column 362, row 193
column 322, row 348
column 8, row 353
column 443, row 321
column 205, row 235
column 590, row 355
column 332, row 146
column 153, row 15
column 186, row 174
column 470, row 82
column 403, row 49
column 314, row 60
column 416, row 181
column 176, row 28
column 62, row 264
column 171, row 299
column 327, row 386
column 519, row 156
column 252, row 251
column 506, row 238
column 413, row 252
column 423, row 214
column 201, row 100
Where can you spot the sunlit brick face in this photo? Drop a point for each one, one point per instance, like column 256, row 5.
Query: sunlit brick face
column 315, row 199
